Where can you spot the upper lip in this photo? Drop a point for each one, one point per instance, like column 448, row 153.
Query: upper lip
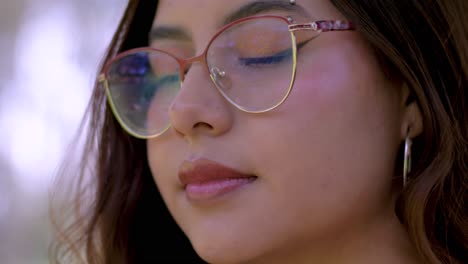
column 205, row 170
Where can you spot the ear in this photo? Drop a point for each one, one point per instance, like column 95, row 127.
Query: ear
column 412, row 120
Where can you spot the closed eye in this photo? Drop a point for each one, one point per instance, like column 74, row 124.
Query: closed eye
column 269, row 60
column 266, row 60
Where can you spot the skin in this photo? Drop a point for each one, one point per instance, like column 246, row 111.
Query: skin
column 325, row 159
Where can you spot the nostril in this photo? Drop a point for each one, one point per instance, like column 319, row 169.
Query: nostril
column 203, row 124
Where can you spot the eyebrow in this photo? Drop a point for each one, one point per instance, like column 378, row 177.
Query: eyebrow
column 257, row 7
column 249, row 9
column 169, row 32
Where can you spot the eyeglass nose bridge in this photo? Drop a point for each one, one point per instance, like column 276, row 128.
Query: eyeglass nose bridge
column 186, row 63
column 215, row 73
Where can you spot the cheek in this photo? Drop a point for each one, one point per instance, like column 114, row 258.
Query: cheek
column 341, row 94
column 164, row 157
column 335, row 137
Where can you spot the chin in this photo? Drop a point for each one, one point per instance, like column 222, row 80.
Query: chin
column 224, row 249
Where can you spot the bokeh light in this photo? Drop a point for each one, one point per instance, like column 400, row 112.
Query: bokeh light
column 50, row 51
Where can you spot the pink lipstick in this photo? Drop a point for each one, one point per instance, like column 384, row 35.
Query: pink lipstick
column 205, row 180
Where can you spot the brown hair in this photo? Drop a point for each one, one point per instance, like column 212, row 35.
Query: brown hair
column 425, row 42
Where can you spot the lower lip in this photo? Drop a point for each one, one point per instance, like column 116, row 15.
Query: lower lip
column 210, row 190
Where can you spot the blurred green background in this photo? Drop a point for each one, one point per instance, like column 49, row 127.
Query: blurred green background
column 49, row 52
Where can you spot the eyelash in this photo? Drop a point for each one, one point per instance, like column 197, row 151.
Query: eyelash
column 269, row 60
column 274, row 59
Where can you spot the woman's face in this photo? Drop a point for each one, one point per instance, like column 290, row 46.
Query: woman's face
column 323, row 161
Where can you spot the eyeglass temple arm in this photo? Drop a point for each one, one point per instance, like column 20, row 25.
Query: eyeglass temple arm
column 323, row 26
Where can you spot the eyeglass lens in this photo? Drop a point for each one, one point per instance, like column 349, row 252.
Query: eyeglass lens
column 251, row 63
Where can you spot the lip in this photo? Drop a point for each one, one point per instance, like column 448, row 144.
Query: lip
column 205, row 180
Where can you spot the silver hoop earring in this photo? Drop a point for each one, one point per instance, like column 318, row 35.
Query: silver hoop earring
column 407, row 159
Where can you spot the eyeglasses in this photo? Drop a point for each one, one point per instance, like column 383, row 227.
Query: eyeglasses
column 252, row 63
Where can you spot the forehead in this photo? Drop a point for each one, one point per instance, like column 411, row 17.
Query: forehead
column 211, row 14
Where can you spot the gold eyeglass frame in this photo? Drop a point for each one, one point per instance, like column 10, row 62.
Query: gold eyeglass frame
column 318, row 26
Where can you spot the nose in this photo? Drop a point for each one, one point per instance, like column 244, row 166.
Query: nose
column 199, row 109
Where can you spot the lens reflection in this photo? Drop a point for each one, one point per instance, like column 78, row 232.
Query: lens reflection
column 142, row 86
